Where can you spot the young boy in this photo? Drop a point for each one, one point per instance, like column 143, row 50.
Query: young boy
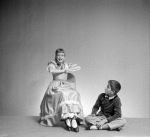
column 109, row 116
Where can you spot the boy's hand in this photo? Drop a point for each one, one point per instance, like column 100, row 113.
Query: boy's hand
column 93, row 115
column 102, row 122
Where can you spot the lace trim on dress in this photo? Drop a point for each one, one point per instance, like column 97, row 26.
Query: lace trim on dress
column 70, row 102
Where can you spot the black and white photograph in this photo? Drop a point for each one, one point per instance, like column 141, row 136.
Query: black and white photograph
column 75, row 68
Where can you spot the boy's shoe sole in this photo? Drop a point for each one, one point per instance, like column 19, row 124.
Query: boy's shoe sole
column 88, row 128
column 118, row 129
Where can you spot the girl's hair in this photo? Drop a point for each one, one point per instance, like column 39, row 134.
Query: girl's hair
column 115, row 85
column 59, row 51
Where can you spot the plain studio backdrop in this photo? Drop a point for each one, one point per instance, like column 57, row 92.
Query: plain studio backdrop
column 109, row 39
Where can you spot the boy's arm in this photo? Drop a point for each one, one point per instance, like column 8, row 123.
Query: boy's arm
column 117, row 110
column 96, row 106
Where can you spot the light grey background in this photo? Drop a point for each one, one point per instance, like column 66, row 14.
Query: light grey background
column 109, row 39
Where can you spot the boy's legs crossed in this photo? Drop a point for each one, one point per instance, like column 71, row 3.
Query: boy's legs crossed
column 93, row 120
column 90, row 120
column 118, row 123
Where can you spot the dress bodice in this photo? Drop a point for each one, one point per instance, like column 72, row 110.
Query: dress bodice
column 58, row 76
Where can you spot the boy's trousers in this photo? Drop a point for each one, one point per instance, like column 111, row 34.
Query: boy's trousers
column 117, row 123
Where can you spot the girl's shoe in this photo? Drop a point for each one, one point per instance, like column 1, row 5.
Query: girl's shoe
column 68, row 127
column 77, row 128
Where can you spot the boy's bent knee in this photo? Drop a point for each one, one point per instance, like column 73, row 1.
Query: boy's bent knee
column 123, row 122
column 90, row 119
column 87, row 120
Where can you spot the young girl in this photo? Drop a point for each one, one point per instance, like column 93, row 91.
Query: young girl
column 60, row 100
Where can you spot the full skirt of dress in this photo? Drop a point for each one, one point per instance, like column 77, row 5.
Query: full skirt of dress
column 59, row 99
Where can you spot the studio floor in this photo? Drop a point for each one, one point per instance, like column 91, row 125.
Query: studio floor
column 13, row 126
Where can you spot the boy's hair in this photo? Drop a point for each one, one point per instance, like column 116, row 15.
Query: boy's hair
column 115, row 85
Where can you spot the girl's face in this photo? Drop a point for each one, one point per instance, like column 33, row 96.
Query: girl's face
column 108, row 91
column 60, row 57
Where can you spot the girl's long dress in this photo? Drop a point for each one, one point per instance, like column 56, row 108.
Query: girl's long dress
column 59, row 99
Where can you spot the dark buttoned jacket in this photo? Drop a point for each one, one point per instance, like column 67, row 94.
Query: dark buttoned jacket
column 111, row 109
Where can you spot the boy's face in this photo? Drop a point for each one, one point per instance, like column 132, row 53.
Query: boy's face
column 108, row 91
column 60, row 57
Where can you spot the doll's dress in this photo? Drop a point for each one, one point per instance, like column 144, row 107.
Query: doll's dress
column 59, row 99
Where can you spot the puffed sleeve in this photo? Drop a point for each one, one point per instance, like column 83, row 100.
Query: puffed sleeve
column 51, row 65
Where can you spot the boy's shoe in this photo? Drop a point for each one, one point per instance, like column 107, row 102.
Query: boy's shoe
column 88, row 127
column 118, row 129
column 98, row 127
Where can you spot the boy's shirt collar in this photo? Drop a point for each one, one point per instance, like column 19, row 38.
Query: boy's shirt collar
column 110, row 98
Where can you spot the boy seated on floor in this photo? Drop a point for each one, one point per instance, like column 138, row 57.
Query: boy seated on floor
column 109, row 116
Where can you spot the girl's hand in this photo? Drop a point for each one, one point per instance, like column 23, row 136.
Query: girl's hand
column 93, row 115
column 72, row 65
column 74, row 68
column 66, row 70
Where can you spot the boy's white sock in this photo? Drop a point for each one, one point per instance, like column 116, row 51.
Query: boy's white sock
column 93, row 127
